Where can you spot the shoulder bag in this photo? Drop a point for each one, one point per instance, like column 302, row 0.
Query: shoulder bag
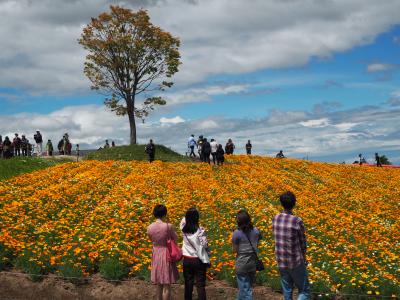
column 259, row 263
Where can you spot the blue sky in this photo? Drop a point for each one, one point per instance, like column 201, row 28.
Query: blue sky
column 321, row 80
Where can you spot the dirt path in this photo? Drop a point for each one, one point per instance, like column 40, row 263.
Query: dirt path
column 18, row 287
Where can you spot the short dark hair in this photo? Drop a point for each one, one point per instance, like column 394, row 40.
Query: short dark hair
column 288, row 200
column 244, row 221
column 160, row 211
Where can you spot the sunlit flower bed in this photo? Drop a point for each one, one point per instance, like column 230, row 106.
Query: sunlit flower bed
column 70, row 218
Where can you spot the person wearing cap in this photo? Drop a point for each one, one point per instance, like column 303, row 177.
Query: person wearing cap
column 39, row 142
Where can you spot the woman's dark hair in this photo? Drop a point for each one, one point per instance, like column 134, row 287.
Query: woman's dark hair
column 192, row 221
column 160, row 211
column 288, row 200
column 244, row 221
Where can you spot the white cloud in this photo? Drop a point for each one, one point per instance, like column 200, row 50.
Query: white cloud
column 395, row 94
column 39, row 50
column 174, row 120
column 347, row 133
column 203, row 94
column 207, row 125
column 379, row 67
column 345, row 126
column 315, row 123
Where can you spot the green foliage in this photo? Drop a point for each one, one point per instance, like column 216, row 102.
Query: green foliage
column 113, row 269
column 19, row 165
column 27, row 262
column 385, row 160
column 5, row 257
column 129, row 56
column 71, row 272
column 136, row 152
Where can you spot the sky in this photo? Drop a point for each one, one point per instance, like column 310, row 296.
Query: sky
column 318, row 79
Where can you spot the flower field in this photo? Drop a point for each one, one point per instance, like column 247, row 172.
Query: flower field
column 79, row 218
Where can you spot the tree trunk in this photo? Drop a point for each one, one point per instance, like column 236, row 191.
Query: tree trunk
column 132, row 123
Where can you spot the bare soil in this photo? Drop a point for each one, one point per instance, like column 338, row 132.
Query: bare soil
column 20, row 287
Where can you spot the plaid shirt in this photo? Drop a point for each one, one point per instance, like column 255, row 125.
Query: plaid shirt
column 290, row 240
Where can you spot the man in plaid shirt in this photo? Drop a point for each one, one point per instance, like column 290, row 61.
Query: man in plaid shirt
column 290, row 249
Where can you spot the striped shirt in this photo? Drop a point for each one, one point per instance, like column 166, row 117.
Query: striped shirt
column 290, row 240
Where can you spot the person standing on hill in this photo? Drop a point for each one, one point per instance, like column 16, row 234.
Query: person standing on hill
column 229, row 147
column 290, row 249
column 199, row 146
column 191, row 144
column 17, row 145
column 280, row 154
column 248, row 147
column 378, row 160
column 107, row 145
column 24, row 145
column 60, row 147
column 206, row 151
column 7, row 147
column 150, row 150
column 49, row 148
column 220, row 155
column 214, row 147
column 65, row 144
column 39, row 142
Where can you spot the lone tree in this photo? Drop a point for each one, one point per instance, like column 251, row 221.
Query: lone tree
column 385, row 160
column 129, row 56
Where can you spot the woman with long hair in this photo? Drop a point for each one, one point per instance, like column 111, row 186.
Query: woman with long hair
column 163, row 272
column 245, row 243
column 195, row 254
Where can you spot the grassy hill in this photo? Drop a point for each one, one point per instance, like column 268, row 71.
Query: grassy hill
column 19, row 165
column 136, row 152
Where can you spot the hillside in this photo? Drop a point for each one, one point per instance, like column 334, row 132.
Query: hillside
column 20, row 165
column 135, row 152
column 82, row 216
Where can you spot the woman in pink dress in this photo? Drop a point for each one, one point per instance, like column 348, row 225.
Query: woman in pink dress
column 163, row 272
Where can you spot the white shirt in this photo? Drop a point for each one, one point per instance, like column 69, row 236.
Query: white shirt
column 194, row 245
column 214, row 146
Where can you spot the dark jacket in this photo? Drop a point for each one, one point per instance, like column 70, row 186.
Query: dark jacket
column 150, row 149
column 220, row 154
column 206, row 148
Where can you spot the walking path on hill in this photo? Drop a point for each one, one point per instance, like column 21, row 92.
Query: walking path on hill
column 19, row 287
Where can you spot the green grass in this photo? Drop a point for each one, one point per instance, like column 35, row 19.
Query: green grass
column 19, row 165
column 136, row 152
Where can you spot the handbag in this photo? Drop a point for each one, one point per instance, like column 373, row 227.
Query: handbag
column 259, row 263
column 174, row 251
column 202, row 253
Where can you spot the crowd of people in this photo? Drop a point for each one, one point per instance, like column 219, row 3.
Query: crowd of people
column 215, row 151
column 290, row 252
column 21, row 146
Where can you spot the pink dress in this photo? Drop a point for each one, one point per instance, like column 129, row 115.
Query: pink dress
column 162, row 271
